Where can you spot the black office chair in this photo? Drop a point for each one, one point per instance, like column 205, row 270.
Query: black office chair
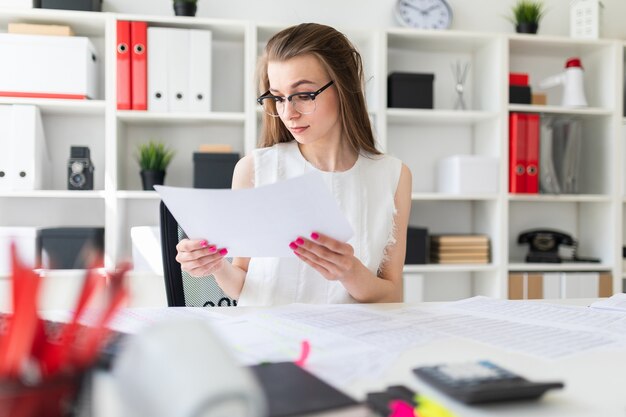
column 182, row 289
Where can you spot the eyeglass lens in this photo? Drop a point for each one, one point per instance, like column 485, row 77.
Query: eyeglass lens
column 302, row 103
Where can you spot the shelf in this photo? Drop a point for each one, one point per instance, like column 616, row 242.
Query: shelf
column 59, row 106
column 53, row 194
column 561, row 198
column 223, row 29
column 144, row 117
column 410, row 269
column 453, row 197
column 558, row 267
column 83, row 23
column 138, row 195
column 550, row 46
column 427, row 116
column 585, row 111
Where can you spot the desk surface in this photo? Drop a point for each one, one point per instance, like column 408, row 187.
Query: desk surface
column 595, row 382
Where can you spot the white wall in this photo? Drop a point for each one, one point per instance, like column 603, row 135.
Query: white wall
column 473, row 15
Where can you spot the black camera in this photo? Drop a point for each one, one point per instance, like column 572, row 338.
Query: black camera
column 80, row 169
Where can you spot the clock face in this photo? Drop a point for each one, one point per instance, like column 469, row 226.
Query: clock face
column 424, row 14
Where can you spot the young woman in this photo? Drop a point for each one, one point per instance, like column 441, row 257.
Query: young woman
column 311, row 80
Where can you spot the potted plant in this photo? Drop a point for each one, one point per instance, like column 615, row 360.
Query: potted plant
column 153, row 159
column 526, row 15
column 185, row 7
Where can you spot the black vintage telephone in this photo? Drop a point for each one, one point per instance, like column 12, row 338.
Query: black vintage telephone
column 544, row 246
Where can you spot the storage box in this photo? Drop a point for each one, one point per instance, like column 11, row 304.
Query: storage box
column 71, row 247
column 410, row 90
column 25, row 239
column 147, row 255
column 519, row 94
column 213, row 170
column 18, row 4
column 48, row 66
column 86, row 5
column 467, row 174
column 416, row 246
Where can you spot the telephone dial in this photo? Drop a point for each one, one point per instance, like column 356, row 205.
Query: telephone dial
column 544, row 246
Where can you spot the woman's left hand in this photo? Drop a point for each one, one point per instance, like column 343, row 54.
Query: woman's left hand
column 333, row 259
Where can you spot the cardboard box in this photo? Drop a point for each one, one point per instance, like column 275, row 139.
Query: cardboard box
column 25, row 239
column 467, row 174
column 48, row 66
column 410, row 90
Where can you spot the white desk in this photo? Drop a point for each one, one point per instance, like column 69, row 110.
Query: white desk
column 595, row 384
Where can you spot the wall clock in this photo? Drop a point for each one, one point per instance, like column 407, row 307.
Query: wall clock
column 424, row 14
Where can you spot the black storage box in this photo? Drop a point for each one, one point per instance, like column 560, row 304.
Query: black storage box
column 416, row 246
column 213, row 170
column 410, row 90
column 85, row 5
column 520, row 94
column 70, row 247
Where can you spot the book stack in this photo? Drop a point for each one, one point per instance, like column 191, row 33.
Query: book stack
column 459, row 249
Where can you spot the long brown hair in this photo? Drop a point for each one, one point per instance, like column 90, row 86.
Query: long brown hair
column 343, row 63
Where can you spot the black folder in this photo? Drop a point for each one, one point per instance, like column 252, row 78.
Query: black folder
column 291, row 390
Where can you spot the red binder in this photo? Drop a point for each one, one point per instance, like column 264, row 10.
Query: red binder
column 532, row 153
column 123, row 65
column 139, row 65
column 517, row 153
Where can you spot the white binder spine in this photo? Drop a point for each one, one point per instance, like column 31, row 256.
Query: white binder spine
column 31, row 161
column 200, row 70
column 6, row 147
column 158, row 92
column 178, row 69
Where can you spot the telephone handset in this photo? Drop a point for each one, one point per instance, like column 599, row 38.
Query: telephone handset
column 544, row 246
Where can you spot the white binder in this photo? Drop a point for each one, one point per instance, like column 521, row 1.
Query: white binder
column 31, row 161
column 552, row 285
column 48, row 66
column 6, row 147
column 178, row 69
column 200, row 70
column 158, row 92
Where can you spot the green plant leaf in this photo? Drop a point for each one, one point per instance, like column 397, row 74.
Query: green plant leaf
column 527, row 11
column 154, row 156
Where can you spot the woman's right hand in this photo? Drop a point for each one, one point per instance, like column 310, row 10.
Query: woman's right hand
column 199, row 258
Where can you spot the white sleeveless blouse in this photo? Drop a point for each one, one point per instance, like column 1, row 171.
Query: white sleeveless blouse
column 365, row 194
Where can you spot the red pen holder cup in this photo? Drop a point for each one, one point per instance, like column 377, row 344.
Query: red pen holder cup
column 53, row 398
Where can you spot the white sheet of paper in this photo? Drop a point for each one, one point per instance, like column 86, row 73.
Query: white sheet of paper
column 259, row 222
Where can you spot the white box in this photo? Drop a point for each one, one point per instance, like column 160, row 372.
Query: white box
column 17, row 4
column 467, row 174
column 25, row 239
column 48, row 66
column 146, row 250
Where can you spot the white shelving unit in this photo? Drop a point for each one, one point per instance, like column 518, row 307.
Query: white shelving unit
column 419, row 137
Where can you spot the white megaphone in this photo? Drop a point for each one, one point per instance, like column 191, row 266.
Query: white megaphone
column 572, row 81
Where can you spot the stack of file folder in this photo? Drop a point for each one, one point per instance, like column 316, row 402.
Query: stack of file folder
column 459, row 249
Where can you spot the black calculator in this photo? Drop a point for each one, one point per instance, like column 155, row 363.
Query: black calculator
column 482, row 382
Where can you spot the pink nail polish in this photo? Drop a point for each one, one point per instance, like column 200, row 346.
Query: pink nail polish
column 299, row 241
column 204, row 243
column 212, row 249
column 223, row 252
column 292, row 245
column 315, row 236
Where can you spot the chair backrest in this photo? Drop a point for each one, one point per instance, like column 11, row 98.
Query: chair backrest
column 182, row 289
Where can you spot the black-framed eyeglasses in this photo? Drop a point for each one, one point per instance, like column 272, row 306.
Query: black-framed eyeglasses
column 303, row 103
